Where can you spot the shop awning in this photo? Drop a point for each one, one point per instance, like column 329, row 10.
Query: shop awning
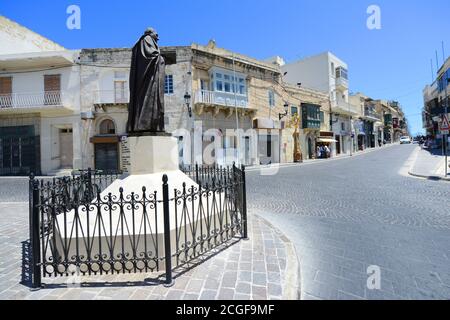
column 326, row 140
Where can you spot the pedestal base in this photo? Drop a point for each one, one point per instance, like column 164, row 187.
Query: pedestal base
column 152, row 154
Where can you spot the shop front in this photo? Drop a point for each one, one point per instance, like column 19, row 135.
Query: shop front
column 268, row 134
column 325, row 144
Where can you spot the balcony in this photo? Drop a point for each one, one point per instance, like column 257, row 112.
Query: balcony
column 341, row 79
column 388, row 122
column 371, row 115
column 341, row 84
column 226, row 99
column 111, row 97
column 310, row 116
column 340, row 106
column 32, row 102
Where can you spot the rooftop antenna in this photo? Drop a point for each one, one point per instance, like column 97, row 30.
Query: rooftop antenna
column 437, row 62
column 432, row 71
column 443, row 51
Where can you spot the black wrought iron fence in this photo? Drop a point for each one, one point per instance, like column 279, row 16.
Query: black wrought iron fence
column 75, row 227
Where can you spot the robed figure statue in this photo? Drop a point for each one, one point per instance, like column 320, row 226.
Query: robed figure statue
column 147, row 75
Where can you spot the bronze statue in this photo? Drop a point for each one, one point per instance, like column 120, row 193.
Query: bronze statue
column 147, row 75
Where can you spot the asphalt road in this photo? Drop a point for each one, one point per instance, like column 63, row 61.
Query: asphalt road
column 348, row 214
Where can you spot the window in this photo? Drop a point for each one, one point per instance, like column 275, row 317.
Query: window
column 333, row 70
column 310, row 116
column 242, row 87
column 227, row 82
column 322, row 117
column 52, row 88
column 168, row 84
column 219, row 85
column 5, row 91
column 342, row 126
column 120, row 91
column 271, row 98
column 227, row 87
column 443, row 81
column 107, row 127
column 120, row 75
column 342, row 73
column 294, row 110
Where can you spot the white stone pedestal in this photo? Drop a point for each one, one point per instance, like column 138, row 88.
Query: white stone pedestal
column 150, row 158
column 152, row 154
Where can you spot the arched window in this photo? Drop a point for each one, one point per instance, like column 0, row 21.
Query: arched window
column 107, row 127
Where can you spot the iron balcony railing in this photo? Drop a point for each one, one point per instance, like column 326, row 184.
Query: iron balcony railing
column 227, row 99
column 111, row 96
column 371, row 113
column 76, row 228
column 30, row 100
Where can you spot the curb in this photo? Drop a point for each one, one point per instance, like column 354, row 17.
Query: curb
column 292, row 280
column 425, row 176
column 432, row 178
column 317, row 161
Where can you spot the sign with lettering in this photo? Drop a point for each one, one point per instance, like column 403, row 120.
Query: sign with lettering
column 445, row 125
column 124, row 154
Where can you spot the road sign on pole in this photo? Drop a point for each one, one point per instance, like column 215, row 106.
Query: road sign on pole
column 445, row 125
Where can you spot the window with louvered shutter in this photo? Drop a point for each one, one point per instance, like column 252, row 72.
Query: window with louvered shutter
column 52, row 88
column 5, row 92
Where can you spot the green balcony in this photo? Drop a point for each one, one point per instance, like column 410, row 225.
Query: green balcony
column 311, row 117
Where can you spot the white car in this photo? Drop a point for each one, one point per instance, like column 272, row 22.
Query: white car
column 405, row 140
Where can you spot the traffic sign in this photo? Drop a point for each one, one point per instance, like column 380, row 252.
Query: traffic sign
column 445, row 125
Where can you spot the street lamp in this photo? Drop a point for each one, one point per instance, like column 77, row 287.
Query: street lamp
column 187, row 101
column 282, row 115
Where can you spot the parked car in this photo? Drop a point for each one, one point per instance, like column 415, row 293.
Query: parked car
column 405, row 140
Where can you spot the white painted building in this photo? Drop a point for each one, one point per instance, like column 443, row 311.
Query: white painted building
column 327, row 73
column 39, row 103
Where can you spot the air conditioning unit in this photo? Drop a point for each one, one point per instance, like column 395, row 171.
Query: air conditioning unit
column 87, row 115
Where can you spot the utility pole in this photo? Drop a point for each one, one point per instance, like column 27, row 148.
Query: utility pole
column 238, row 136
column 445, row 136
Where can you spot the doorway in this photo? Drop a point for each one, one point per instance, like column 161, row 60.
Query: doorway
column 66, row 148
column 106, row 156
column 310, row 149
column 338, row 144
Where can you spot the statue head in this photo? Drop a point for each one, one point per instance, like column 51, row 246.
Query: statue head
column 152, row 33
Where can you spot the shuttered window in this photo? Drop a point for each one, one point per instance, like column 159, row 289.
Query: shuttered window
column 52, row 88
column 120, row 91
column 5, row 92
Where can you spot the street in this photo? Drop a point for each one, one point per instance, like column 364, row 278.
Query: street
column 348, row 214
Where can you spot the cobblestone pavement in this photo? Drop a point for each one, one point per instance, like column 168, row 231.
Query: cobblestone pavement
column 265, row 267
column 348, row 214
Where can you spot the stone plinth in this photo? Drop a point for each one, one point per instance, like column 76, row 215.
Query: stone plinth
column 152, row 154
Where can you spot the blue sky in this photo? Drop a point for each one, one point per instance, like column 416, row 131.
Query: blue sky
column 391, row 63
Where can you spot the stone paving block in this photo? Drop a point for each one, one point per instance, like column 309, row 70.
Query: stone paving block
column 208, row 295
column 180, row 282
column 174, row 294
column 191, row 296
column 274, row 289
column 243, row 288
column 273, row 268
column 259, row 293
column 195, row 285
column 246, row 266
column 211, row 284
column 229, row 279
column 245, row 276
column 231, row 266
column 259, row 266
column 259, row 278
column 225, row 294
